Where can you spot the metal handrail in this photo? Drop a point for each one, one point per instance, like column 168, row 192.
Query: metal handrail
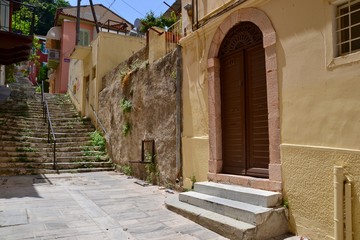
column 47, row 119
column 50, row 129
column 42, row 91
column 98, row 120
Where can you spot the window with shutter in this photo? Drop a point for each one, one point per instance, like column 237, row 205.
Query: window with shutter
column 84, row 36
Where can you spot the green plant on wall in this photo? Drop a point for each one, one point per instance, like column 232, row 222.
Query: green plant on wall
column 152, row 173
column 126, row 128
column 126, row 169
column 97, row 140
column 9, row 73
column 149, row 157
column 193, row 181
column 126, row 105
column 174, row 74
column 285, row 204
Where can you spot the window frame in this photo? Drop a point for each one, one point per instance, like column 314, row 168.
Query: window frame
column 343, row 28
column 82, row 39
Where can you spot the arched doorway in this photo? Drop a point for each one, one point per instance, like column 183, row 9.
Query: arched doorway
column 218, row 167
column 244, row 112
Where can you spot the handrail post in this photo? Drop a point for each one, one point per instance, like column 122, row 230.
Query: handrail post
column 44, row 114
column 54, row 164
column 42, row 91
column 48, row 131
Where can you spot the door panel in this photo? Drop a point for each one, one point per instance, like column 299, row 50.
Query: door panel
column 233, row 109
column 245, row 138
column 256, row 113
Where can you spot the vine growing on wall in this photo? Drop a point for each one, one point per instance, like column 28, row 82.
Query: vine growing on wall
column 126, row 105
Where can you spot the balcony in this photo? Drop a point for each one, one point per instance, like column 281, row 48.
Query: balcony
column 16, row 31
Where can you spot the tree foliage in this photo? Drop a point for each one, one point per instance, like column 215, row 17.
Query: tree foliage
column 44, row 11
column 34, row 57
column 151, row 20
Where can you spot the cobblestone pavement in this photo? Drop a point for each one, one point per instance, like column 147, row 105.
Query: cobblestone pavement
column 102, row 205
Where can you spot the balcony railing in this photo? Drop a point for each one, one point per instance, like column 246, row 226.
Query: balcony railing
column 173, row 35
column 17, row 17
column 114, row 27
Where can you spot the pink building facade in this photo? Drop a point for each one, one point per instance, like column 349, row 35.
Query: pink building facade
column 67, row 45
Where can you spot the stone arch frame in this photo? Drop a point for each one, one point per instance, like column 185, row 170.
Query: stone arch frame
column 260, row 19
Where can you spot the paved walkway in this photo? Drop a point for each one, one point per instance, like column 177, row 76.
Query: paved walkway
column 103, row 205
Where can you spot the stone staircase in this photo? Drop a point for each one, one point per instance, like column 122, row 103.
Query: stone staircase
column 233, row 211
column 24, row 147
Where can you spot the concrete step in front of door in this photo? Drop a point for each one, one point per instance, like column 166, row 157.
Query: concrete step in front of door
column 226, row 226
column 233, row 211
column 245, row 212
column 238, row 193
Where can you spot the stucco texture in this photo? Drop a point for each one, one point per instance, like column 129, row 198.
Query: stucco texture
column 106, row 52
column 152, row 92
column 319, row 109
column 195, row 112
column 309, row 189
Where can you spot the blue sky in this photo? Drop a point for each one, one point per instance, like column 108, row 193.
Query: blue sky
column 131, row 9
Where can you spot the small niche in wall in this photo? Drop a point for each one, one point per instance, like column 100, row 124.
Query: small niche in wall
column 147, row 150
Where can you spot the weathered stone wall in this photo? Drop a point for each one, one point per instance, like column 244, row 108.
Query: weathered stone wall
column 151, row 88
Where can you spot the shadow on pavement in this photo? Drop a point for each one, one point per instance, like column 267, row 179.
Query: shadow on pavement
column 21, row 186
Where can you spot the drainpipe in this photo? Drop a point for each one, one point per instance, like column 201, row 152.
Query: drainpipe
column 348, row 214
column 179, row 117
column 338, row 203
column 341, row 183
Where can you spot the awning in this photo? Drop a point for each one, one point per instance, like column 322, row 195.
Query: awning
column 54, row 33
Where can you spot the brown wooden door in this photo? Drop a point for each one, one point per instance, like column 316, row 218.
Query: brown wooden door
column 245, row 140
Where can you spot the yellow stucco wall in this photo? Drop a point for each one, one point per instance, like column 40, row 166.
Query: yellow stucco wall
column 112, row 49
column 157, row 44
column 319, row 110
column 107, row 51
column 195, row 112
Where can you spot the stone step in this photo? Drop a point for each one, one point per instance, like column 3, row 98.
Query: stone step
column 22, row 111
column 59, row 165
column 39, row 121
column 21, row 115
column 65, row 139
column 25, row 158
column 238, row 193
column 8, row 139
column 24, row 147
column 33, row 171
column 43, row 142
column 32, row 152
column 268, row 222
column 71, row 135
column 30, row 147
column 32, row 137
column 24, row 132
column 100, row 158
column 226, row 226
column 238, row 210
column 44, row 128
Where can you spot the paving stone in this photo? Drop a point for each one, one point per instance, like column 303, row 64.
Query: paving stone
column 119, row 209
column 13, row 217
